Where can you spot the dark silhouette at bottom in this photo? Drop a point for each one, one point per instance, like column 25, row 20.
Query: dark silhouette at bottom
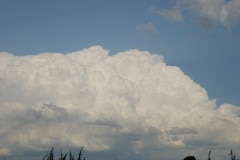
column 189, row 158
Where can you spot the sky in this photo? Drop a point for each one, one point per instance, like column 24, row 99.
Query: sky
column 136, row 79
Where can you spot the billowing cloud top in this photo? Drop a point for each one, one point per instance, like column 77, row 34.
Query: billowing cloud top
column 131, row 102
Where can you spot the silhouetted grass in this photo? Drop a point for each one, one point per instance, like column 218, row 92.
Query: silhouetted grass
column 66, row 156
column 233, row 156
column 70, row 156
column 191, row 157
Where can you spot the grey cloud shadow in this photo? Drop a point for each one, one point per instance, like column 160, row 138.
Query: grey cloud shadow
column 181, row 131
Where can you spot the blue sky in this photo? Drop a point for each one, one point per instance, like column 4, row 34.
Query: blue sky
column 201, row 37
column 209, row 55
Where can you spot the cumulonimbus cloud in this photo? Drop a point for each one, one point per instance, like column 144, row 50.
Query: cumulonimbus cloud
column 131, row 101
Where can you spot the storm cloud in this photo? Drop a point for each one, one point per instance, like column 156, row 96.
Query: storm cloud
column 130, row 102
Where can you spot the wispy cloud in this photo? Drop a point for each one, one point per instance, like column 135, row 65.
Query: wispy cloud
column 173, row 14
column 130, row 102
column 206, row 13
column 146, row 28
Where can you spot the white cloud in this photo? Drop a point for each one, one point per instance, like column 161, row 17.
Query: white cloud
column 173, row 14
column 130, row 102
column 206, row 13
column 147, row 28
column 4, row 151
column 230, row 14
